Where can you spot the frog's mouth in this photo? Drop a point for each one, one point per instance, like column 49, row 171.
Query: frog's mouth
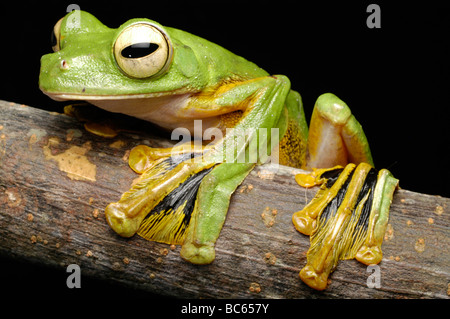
column 158, row 108
column 57, row 96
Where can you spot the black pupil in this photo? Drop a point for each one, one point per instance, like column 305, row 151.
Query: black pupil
column 139, row 50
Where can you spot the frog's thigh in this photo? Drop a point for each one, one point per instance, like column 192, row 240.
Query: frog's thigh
column 335, row 136
column 210, row 211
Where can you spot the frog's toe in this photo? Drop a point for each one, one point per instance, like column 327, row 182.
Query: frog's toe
column 103, row 129
column 304, row 223
column 313, row 278
column 96, row 121
column 141, row 158
column 369, row 255
column 118, row 220
column 198, row 254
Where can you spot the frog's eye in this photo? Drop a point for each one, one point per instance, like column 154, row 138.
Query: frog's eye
column 143, row 50
column 56, row 36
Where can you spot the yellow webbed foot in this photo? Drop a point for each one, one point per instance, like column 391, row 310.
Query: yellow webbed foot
column 305, row 220
column 159, row 205
column 346, row 219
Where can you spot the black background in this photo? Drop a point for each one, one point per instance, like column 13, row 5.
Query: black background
column 395, row 79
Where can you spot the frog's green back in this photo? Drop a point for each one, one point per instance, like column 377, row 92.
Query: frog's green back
column 216, row 62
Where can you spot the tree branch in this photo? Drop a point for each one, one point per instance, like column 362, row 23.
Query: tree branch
column 56, row 179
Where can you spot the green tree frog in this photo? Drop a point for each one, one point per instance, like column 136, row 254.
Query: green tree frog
column 173, row 79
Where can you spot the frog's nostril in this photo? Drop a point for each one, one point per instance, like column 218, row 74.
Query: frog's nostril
column 64, row 65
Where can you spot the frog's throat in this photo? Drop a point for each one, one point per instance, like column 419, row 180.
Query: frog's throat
column 163, row 109
column 152, row 107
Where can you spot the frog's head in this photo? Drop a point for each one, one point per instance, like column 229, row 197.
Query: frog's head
column 138, row 59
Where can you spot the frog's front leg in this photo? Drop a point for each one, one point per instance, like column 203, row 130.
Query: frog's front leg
column 210, row 211
column 185, row 202
column 160, row 180
column 265, row 111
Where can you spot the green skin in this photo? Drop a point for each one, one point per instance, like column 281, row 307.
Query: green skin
column 85, row 68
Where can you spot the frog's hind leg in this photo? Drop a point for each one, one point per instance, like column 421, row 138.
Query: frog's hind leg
column 335, row 136
column 347, row 219
column 348, row 216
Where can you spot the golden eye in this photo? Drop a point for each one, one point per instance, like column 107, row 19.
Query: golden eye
column 56, row 36
column 143, row 50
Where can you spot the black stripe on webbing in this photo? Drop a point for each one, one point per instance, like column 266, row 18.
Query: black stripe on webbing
column 332, row 176
column 368, row 186
column 173, row 161
column 177, row 159
column 185, row 192
column 334, row 204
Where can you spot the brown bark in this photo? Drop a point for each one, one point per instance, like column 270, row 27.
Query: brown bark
column 56, row 179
